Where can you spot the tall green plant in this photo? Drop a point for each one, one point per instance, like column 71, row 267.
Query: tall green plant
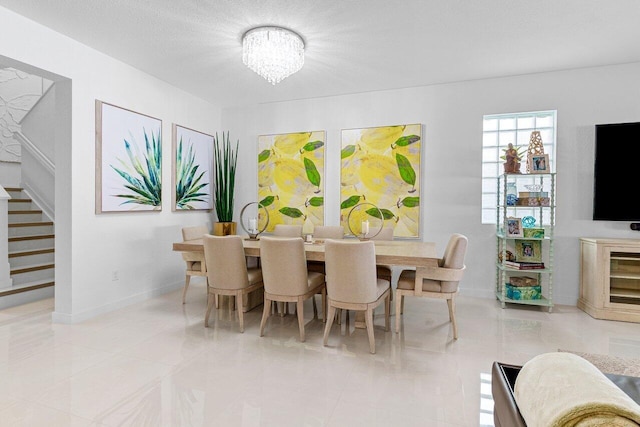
column 225, row 160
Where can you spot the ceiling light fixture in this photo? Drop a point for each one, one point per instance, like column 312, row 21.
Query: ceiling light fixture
column 273, row 52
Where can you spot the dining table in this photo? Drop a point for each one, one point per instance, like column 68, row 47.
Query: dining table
column 407, row 253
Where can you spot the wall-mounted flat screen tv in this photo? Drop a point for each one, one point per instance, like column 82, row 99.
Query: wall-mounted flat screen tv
column 616, row 173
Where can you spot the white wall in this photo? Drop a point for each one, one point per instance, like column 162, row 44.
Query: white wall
column 90, row 247
column 452, row 117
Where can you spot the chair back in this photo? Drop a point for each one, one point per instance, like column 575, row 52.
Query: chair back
column 351, row 271
column 328, row 232
column 192, row 233
column 454, row 255
column 285, row 230
column 385, row 234
column 284, row 265
column 226, row 263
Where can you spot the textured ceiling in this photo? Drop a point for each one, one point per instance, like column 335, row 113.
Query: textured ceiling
column 352, row 45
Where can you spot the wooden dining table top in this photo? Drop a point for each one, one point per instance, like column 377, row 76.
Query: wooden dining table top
column 391, row 252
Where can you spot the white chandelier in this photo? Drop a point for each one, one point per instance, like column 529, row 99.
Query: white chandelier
column 273, row 52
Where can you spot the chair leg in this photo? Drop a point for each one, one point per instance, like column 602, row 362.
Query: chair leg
column 210, row 301
column 399, row 300
column 452, row 316
column 387, row 312
column 324, row 305
column 330, row 316
column 217, row 301
column 239, row 310
column 187, row 280
column 368, row 319
column 265, row 314
column 300, row 310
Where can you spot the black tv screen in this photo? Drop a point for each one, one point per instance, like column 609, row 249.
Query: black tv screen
column 615, row 173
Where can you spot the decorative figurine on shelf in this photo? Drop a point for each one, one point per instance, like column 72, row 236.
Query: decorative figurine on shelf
column 511, row 159
column 535, row 148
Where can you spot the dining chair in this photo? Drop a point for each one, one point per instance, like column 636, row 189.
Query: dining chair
column 436, row 282
column 228, row 273
column 352, row 283
column 384, row 271
column 287, row 230
column 286, row 279
column 196, row 266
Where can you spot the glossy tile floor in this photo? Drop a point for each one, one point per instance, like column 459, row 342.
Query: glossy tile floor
column 154, row 364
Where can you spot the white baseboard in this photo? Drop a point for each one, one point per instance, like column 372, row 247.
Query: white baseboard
column 57, row 317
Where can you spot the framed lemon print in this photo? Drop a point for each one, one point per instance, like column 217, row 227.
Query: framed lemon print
column 381, row 165
column 291, row 179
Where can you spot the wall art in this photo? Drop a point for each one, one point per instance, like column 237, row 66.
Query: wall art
column 381, row 165
column 191, row 169
column 128, row 160
column 291, row 178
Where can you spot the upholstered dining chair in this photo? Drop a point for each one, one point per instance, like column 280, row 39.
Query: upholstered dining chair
column 286, row 230
column 436, row 282
column 323, row 232
column 352, row 283
column 196, row 266
column 286, row 279
column 228, row 273
column 384, row 271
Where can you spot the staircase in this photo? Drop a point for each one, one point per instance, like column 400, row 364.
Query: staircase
column 31, row 245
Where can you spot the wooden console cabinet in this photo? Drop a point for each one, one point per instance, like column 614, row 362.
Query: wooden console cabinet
column 610, row 278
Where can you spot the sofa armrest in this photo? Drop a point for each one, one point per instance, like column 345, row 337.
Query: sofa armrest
column 505, row 409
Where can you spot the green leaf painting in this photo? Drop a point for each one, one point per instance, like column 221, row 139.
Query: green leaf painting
column 291, row 178
column 129, row 173
column 193, row 159
column 382, row 166
column 267, row 201
column 143, row 173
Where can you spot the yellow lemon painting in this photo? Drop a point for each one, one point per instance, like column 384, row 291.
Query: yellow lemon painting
column 381, row 166
column 291, row 179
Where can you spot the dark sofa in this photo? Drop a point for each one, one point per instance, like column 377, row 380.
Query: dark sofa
column 505, row 409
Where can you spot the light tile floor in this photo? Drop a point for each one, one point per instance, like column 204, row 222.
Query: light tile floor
column 154, row 364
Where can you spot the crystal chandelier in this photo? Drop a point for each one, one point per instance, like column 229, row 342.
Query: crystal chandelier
column 273, row 52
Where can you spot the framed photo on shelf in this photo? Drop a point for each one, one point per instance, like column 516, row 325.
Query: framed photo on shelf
column 539, row 163
column 528, row 251
column 514, row 227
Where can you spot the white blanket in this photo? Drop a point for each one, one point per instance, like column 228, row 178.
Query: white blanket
column 563, row 389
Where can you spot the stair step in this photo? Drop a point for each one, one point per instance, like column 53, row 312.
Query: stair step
column 19, row 204
column 27, row 242
column 23, row 258
column 19, row 229
column 26, row 287
column 33, row 272
column 31, row 268
column 28, row 252
column 14, row 189
column 25, row 212
column 32, row 237
column 30, row 224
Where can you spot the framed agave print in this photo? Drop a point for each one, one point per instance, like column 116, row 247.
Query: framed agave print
column 191, row 169
column 128, row 160
column 291, row 178
column 381, row 166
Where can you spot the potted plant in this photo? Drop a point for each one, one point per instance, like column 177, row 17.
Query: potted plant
column 225, row 159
